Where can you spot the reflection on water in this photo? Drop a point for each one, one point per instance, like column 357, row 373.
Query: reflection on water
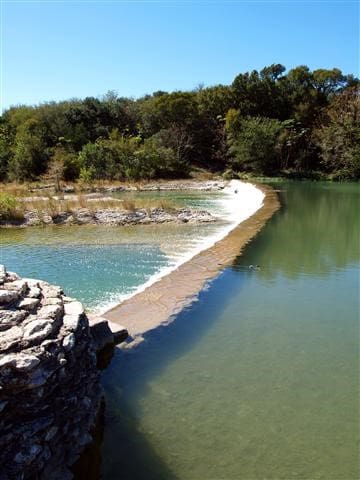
column 259, row 379
column 322, row 231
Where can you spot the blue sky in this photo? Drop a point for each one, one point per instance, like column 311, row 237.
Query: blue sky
column 53, row 50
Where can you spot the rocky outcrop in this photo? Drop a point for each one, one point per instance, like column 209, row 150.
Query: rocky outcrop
column 209, row 185
column 49, row 383
column 106, row 216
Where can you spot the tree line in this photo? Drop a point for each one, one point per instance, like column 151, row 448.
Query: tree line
column 299, row 123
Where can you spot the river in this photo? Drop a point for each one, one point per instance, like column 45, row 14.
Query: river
column 259, row 378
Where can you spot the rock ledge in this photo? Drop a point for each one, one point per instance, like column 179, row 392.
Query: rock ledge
column 49, row 382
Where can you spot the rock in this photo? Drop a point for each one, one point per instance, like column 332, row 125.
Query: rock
column 71, row 322
column 29, row 304
column 68, row 189
column 38, row 329
column 69, row 341
column 52, row 301
column 47, row 219
column 51, row 290
column 11, row 276
column 34, row 292
column 32, row 282
column 28, row 456
column 20, row 361
column 2, row 274
column 68, row 299
column 119, row 332
column 10, row 318
column 48, row 379
column 10, row 338
column 50, row 311
column 105, row 332
column 19, row 286
column 51, row 433
column 8, row 296
column 101, row 334
column 3, row 405
column 73, row 308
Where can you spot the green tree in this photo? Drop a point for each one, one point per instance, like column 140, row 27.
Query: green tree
column 254, row 143
column 338, row 137
column 30, row 153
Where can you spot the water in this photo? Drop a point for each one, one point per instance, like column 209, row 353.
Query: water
column 102, row 265
column 259, row 379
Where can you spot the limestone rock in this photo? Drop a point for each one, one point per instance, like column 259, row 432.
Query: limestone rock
column 34, row 292
column 49, row 381
column 28, row 303
column 2, row 274
column 73, row 308
column 20, row 361
column 10, row 318
column 38, row 330
column 8, row 296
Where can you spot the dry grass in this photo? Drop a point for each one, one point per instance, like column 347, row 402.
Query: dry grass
column 51, row 206
column 200, row 175
column 17, row 199
column 15, row 189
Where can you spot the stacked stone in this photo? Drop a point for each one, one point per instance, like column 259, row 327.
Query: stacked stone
column 49, row 384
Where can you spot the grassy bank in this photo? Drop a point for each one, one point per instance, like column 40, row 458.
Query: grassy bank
column 14, row 208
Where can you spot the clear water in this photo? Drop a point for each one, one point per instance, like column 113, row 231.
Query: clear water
column 259, row 379
column 102, row 265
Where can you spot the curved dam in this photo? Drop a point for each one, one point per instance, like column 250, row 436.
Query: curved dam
column 168, row 292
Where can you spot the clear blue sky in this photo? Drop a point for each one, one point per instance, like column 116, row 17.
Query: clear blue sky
column 53, row 50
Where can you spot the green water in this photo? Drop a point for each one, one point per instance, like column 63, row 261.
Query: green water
column 259, row 379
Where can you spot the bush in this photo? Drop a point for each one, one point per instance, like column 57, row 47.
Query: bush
column 87, row 174
column 10, row 208
column 254, row 143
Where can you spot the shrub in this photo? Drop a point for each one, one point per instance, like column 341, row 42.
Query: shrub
column 10, row 208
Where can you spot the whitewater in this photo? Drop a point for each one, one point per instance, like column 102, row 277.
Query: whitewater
column 237, row 202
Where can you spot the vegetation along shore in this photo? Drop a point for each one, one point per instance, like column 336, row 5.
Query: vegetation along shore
column 297, row 123
column 48, row 205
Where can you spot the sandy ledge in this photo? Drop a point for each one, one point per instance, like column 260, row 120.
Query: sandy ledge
column 157, row 305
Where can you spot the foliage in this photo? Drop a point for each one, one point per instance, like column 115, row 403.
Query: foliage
column 268, row 121
column 339, row 136
column 254, row 143
column 9, row 207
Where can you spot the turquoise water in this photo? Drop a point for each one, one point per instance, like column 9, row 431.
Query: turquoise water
column 101, row 265
column 259, row 379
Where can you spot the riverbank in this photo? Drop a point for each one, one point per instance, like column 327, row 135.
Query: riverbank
column 108, row 216
column 157, row 303
column 20, row 208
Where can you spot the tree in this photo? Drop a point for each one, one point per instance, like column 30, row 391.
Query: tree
column 30, row 153
column 338, row 137
column 253, row 143
column 260, row 94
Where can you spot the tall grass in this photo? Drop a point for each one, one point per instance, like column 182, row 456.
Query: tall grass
column 12, row 208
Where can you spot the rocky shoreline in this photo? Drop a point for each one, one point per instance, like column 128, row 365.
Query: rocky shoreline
column 170, row 185
column 50, row 392
column 96, row 206
column 110, row 216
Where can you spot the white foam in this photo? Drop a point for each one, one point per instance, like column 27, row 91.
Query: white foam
column 239, row 200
